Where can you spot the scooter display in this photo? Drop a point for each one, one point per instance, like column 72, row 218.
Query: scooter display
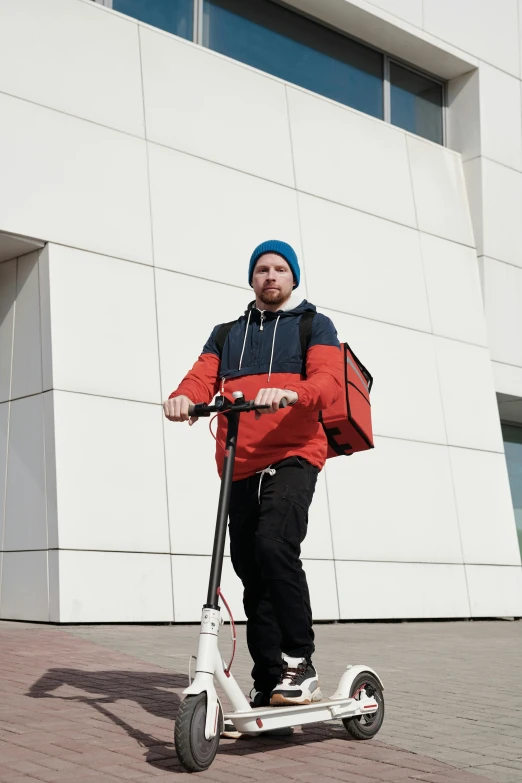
column 358, row 700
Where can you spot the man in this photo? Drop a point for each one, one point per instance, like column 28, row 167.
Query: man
column 278, row 458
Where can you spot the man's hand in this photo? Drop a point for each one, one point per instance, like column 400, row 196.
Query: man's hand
column 177, row 409
column 273, row 397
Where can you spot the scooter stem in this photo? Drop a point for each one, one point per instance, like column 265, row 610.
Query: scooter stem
column 222, row 512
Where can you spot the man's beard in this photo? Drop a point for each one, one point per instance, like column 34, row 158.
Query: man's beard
column 272, row 297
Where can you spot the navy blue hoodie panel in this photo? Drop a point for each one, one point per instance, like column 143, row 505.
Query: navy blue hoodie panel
column 257, row 352
column 323, row 332
column 258, row 347
column 210, row 346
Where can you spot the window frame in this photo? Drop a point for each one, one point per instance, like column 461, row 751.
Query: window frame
column 197, row 38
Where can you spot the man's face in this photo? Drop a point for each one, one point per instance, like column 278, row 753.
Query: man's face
column 272, row 280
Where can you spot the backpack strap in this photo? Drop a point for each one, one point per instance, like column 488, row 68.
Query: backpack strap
column 222, row 334
column 305, row 335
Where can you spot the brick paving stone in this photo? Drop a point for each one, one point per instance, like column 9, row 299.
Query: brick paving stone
column 449, row 777
column 499, row 773
column 97, row 705
column 16, row 778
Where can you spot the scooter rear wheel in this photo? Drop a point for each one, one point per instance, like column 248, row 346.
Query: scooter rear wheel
column 365, row 727
column 195, row 751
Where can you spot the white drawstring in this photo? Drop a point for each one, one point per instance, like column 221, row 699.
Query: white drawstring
column 271, row 472
column 273, row 343
column 244, row 340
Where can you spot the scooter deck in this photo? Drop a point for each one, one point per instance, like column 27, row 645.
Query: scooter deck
column 260, row 719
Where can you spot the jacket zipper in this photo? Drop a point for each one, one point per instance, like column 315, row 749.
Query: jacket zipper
column 262, row 319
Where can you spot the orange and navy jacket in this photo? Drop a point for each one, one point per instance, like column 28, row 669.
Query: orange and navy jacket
column 263, row 350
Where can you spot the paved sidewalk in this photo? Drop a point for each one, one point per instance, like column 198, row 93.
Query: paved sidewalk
column 97, row 704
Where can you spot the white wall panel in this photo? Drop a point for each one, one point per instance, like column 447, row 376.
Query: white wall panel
column 45, row 319
column 209, row 303
column 46, row 56
column 116, row 587
column 468, row 395
column 73, row 182
column 463, row 115
column 410, row 10
column 27, row 352
column 358, row 264
column 495, row 590
column 520, row 32
column 486, row 29
column 4, row 426
column 193, row 486
column 502, row 207
column 500, row 118
column 473, row 179
column 7, row 307
column 190, row 575
column 439, row 188
column 200, row 102
column 406, row 399
column 320, row 575
column 25, row 507
column 507, row 378
column 235, row 213
column 24, row 594
column 50, row 470
column 192, row 480
column 54, row 585
column 114, row 353
column 110, row 474
column 348, row 157
column 395, row 590
column 318, row 542
column 454, row 292
column 412, row 516
column 503, row 307
column 484, row 506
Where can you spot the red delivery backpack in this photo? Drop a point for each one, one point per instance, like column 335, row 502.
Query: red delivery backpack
column 348, row 422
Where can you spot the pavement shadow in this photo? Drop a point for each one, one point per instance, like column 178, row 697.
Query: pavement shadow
column 153, row 691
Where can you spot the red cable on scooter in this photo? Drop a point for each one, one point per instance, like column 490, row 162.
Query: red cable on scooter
column 233, row 628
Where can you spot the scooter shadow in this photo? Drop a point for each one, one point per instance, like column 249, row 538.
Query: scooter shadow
column 156, row 693
column 152, row 691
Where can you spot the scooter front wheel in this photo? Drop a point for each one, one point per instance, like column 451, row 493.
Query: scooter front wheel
column 366, row 726
column 195, row 752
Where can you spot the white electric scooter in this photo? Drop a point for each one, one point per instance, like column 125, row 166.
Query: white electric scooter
column 358, row 700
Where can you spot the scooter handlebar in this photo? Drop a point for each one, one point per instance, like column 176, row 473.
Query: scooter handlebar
column 224, row 406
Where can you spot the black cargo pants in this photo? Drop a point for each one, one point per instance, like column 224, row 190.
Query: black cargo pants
column 267, row 524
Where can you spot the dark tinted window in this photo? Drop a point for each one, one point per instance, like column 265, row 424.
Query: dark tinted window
column 174, row 16
column 416, row 103
column 296, row 49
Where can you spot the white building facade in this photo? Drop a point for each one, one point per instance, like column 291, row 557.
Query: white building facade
column 145, row 149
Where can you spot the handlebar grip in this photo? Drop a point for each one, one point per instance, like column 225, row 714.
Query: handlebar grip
column 283, row 403
column 198, row 410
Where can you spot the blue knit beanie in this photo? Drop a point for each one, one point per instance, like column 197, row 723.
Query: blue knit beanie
column 282, row 249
